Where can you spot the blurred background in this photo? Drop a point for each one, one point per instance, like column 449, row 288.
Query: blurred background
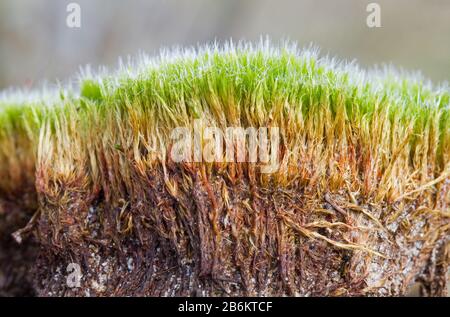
column 36, row 43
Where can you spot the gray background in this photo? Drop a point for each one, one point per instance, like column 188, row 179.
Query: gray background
column 36, row 44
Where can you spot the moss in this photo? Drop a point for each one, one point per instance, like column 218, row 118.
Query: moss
column 90, row 90
column 361, row 189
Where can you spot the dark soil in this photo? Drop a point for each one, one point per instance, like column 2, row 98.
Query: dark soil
column 199, row 233
column 210, row 235
column 16, row 261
